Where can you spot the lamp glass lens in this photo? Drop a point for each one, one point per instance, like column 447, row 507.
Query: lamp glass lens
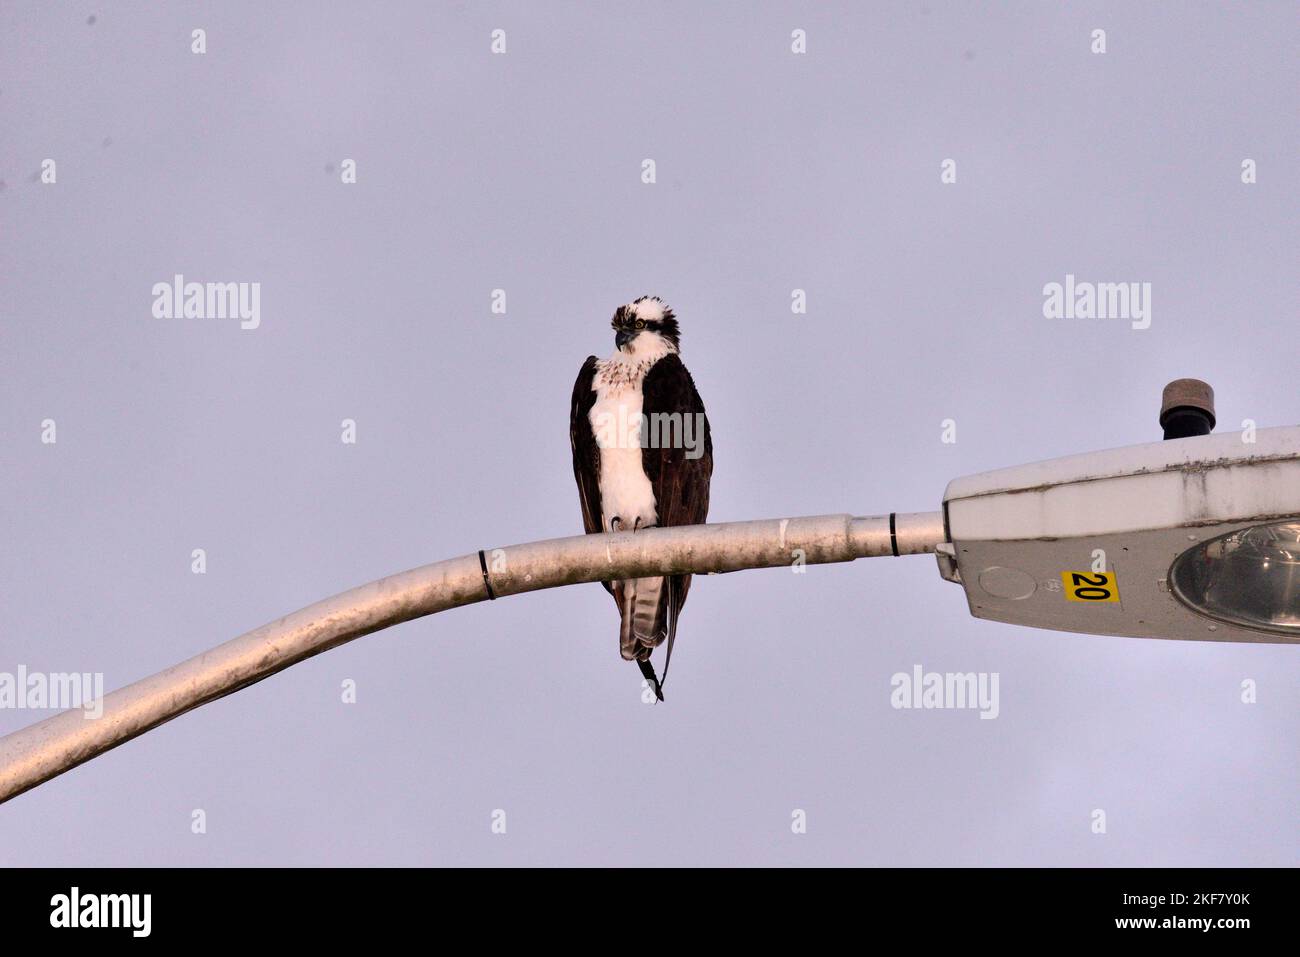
column 1249, row 577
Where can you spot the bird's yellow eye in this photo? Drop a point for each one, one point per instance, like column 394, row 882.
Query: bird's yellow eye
column 640, row 323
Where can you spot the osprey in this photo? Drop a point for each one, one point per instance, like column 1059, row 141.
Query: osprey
column 642, row 456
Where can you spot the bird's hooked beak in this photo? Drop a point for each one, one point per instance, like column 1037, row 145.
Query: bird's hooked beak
column 623, row 337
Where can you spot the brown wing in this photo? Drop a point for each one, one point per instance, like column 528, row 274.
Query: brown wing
column 681, row 468
column 586, row 453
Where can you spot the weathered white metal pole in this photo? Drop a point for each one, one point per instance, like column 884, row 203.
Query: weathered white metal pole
column 35, row 754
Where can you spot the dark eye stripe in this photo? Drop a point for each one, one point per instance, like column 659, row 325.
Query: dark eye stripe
column 626, row 319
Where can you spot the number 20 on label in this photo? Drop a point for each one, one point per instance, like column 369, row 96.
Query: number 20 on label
column 1090, row 586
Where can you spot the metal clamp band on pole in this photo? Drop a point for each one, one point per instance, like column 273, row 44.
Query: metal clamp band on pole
column 46, row 749
column 487, row 580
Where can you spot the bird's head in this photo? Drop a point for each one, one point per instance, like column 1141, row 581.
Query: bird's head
column 643, row 324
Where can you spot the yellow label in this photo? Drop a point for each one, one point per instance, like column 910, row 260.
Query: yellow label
column 1090, row 586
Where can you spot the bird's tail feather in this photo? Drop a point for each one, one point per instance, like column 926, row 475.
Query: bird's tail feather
column 671, row 610
column 647, row 669
column 645, row 620
column 641, row 617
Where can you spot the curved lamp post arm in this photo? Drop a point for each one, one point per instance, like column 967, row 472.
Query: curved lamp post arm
column 44, row 750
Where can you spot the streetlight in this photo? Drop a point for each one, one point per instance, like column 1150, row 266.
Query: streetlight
column 1198, row 537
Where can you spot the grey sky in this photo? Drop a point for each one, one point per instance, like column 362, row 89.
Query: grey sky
column 522, row 171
